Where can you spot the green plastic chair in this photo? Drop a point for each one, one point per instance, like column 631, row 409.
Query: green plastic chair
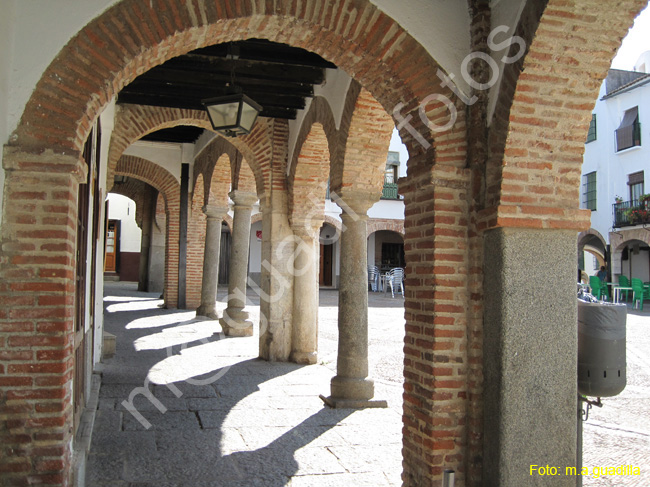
column 604, row 291
column 596, row 286
column 638, row 292
column 623, row 281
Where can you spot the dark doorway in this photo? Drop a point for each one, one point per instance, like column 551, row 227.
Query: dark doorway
column 326, row 260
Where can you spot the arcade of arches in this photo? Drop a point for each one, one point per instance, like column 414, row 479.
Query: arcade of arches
column 491, row 203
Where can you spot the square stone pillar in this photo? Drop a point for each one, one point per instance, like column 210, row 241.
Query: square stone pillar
column 276, row 295
column 37, row 316
column 530, row 355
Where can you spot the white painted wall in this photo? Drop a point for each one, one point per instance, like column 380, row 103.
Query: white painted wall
column 255, row 251
column 40, row 29
column 334, row 90
column 390, row 209
column 504, row 13
column 107, row 124
column 371, row 249
column 169, row 156
column 396, row 145
column 637, row 265
column 123, row 209
column 442, row 27
column 7, row 26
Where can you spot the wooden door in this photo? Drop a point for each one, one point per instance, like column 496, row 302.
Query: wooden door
column 325, row 275
column 110, row 264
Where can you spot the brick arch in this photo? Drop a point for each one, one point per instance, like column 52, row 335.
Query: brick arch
column 308, row 177
column 214, row 164
column 220, row 183
column 376, row 224
column 365, row 134
column 195, row 244
column 139, row 192
column 132, row 122
column 246, row 177
column 533, row 178
column 359, row 38
column 320, row 112
column 336, row 223
column 169, row 188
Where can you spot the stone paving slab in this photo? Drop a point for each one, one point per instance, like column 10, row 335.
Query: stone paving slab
column 231, row 420
column 249, row 423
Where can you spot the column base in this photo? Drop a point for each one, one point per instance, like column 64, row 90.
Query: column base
column 207, row 311
column 349, row 392
column 306, row 358
column 341, row 403
column 235, row 324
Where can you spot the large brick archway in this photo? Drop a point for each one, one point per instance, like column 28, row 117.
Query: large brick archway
column 169, row 188
column 377, row 224
column 375, row 67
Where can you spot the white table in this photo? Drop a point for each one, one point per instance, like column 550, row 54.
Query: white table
column 616, row 291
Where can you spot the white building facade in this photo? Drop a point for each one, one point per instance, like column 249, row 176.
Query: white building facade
column 616, row 160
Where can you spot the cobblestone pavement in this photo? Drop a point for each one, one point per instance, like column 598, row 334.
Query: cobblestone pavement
column 245, row 422
column 619, row 432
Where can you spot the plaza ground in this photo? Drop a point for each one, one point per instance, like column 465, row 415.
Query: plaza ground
column 232, row 420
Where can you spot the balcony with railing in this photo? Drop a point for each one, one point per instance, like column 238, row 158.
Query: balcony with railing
column 389, row 192
column 628, row 137
column 630, row 213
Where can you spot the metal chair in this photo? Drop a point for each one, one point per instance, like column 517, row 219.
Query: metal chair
column 396, row 280
column 373, row 278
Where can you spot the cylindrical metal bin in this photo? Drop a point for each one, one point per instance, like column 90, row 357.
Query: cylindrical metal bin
column 601, row 349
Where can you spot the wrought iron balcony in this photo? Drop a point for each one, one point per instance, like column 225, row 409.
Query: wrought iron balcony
column 629, row 213
column 629, row 136
column 390, row 192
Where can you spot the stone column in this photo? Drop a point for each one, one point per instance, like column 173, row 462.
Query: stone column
column 276, row 297
column 235, row 319
column 211, row 253
column 351, row 387
column 529, row 355
column 304, row 334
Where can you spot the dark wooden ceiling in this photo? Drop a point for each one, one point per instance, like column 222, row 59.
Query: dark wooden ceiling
column 277, row 76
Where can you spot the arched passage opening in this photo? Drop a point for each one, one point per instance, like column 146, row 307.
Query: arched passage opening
column 123, row 239
column 592, row 252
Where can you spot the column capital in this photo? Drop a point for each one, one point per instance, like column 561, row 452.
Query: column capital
column 15, row 159
column 355, row 206
column 306, row 227
column 213, row 211
column 243, row 198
